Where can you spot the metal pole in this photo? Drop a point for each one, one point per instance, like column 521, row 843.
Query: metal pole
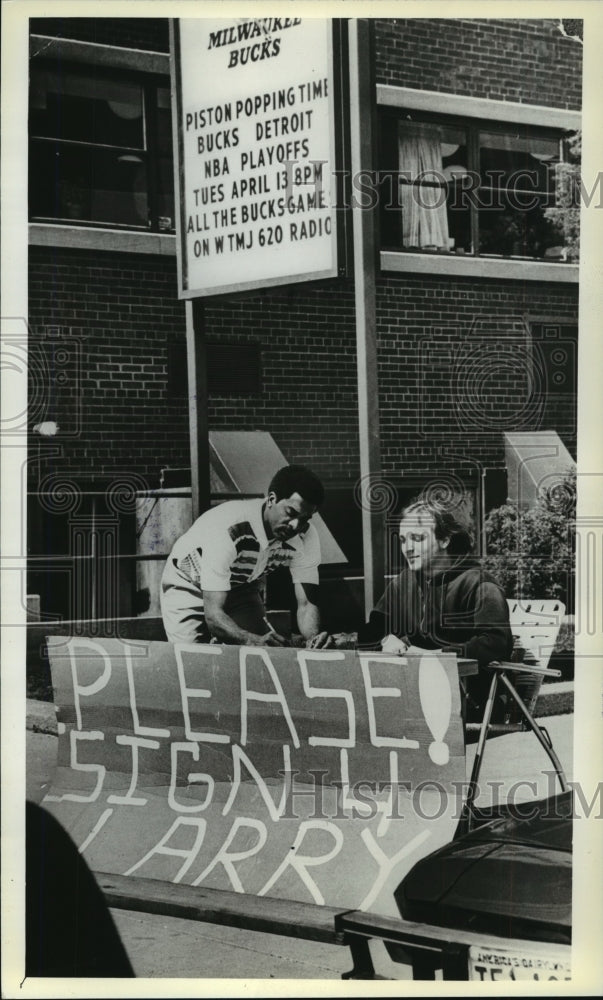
column 93, row 560
column 362, row 98
column 197, row 406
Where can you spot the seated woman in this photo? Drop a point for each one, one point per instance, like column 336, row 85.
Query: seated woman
column 442, row 599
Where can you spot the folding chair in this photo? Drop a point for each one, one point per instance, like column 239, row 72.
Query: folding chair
column 535, row 625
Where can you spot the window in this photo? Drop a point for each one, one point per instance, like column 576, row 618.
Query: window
column 232, row 369
column 100, row 147
column 464, row 186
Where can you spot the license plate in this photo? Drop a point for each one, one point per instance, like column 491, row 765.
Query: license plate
column 488, row 965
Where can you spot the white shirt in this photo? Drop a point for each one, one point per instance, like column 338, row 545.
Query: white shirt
column 226, row 548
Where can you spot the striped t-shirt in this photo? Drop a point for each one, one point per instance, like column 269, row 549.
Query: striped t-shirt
column 226, row 548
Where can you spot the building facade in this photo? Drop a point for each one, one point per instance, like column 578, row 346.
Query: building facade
column 477, row 301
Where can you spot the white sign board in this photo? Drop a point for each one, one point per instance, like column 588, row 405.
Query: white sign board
column 255, row 129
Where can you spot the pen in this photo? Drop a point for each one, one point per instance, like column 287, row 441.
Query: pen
column 277, row 638
column 269, row 626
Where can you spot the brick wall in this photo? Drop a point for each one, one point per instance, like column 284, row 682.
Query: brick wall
column 458, row 367
column 511, row 59
column 527, row 61
column 122, row 310
column 117, row 311
column 454, row 366
column 309, row 398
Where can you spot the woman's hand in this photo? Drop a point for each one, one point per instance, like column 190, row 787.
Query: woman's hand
column 322, row 640
column 393, row 644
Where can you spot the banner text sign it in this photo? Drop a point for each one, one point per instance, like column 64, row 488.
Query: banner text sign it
column 254, row 131
column 315, row 775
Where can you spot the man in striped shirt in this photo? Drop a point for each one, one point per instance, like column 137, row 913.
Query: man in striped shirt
column 212, row 584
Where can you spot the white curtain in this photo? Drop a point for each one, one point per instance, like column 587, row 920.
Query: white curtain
column 424, row 219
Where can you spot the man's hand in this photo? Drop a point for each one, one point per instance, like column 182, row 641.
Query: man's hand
column 345, row 640
column 222, row 626
column 273, row 638
column 320, row 641
column 270, row 638
column 308, row 615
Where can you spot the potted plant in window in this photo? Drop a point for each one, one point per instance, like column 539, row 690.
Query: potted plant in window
column 564, row 217
column 531, row 553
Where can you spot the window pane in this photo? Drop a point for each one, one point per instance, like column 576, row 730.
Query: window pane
column 514, row 233
column 389, row 201
column 165, row 173
column 433, row 165
column 458, row 184
column 518, row 161
column 455, row 165
column 517, row 185
column 422, row 190
column 81, row 183
column 164, row 120
column 165, row 194
column 80, row 106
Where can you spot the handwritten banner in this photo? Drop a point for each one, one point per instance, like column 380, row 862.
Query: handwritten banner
column 318, row 775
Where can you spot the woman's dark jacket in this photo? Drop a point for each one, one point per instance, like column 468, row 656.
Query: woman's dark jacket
column 461, row 609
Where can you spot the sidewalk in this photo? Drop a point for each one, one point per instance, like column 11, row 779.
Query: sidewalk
column 170, row 947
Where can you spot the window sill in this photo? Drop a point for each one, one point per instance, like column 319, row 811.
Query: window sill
column 130, row 241
column 93, row 54
column 477, row 107
column 114, row 240
column 477, row 267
